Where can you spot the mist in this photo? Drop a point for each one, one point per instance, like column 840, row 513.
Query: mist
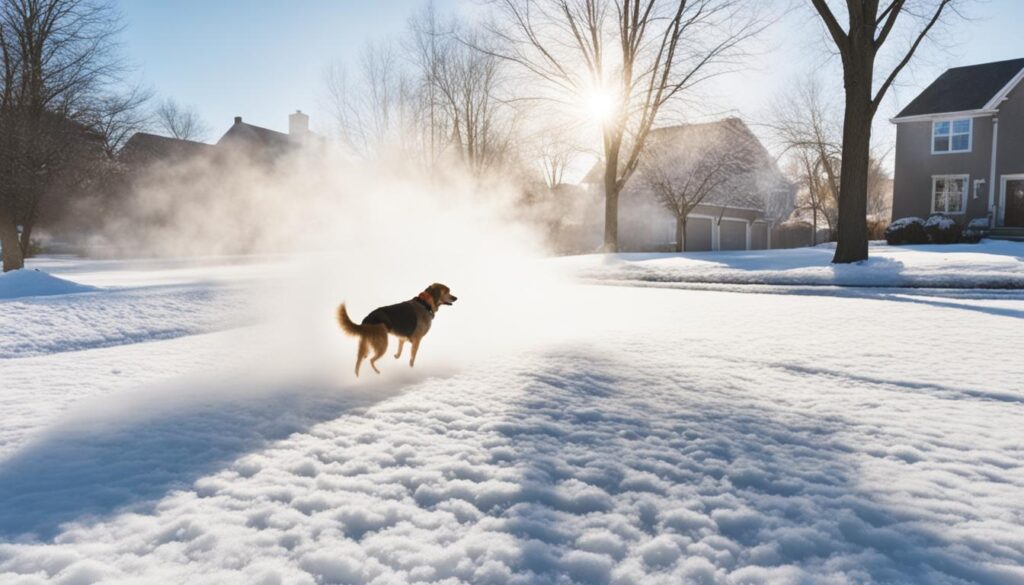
column 336, row 229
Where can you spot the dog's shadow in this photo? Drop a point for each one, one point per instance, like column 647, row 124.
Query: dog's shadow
column 92, row 468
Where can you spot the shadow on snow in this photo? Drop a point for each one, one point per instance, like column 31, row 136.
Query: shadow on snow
column 678, row 471
column 89, row 469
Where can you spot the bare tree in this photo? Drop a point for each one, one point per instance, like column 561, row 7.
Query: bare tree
column 375, row 109
column 181, row 122
column 426, row 46
column 554, row 157
column 803, row 125
column 879, row 189
column 683, row 172
column 631, row 56
column 59, row 64
column 467, row 81
column 869, row 24
column 120, row 115
column 432, row 95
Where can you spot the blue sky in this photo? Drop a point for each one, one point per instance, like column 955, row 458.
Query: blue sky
column 262, row 59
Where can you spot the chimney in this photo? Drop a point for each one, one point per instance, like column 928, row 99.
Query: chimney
column 238, row 119
column 298, row 124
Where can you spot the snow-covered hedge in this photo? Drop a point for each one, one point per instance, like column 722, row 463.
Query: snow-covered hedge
column 942, row 229
column 976, row 230
column 937, row 229
column 906, row 230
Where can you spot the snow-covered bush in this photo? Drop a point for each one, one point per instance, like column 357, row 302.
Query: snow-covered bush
column 942, row 229
column 976, row 230
column 906, row 230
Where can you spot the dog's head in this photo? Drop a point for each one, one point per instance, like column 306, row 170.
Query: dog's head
column 441, row 294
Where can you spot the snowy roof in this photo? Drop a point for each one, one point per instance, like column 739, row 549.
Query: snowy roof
column 747, row 190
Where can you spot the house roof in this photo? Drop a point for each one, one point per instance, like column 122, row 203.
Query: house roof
column 962, row 89
column 242, row 133
column 144, row 147
column 746, row 194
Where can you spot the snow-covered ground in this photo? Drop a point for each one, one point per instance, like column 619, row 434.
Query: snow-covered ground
column 990, row 264
column 162, row 428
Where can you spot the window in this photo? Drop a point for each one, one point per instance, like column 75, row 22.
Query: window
column 951, row 136
column 949, row 194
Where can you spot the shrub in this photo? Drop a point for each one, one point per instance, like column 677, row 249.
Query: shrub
column 942, row 229
column 793, row 233
column 906, row 230
column 877, row 227
column 976, row 230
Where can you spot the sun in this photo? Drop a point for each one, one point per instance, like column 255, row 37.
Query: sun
column 600, row 104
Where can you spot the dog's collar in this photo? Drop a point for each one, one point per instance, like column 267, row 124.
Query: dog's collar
column 427, row 301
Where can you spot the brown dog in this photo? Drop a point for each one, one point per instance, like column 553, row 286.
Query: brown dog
column 408, row 321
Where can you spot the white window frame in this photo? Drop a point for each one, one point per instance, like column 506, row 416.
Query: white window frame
column 963, row 194
column 952, row 121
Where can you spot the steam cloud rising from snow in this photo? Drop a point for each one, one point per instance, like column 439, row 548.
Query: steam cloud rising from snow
column 342, row 229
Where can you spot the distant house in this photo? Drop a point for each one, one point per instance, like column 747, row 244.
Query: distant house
column 737, row 218
column 258, row 143
column 264, row 142
column 144, row 149
column 960, row 147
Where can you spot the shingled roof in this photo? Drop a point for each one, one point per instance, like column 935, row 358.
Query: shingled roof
column 247, row 135
column 145, row 148
column 963, row 89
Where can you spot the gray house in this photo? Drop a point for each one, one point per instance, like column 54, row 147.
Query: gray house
column 960, row 147
column 739, row 216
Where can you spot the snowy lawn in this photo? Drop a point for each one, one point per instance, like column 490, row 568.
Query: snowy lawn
column 990, row 264
column 630, row 435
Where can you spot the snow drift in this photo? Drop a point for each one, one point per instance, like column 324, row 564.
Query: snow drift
column 31, row 283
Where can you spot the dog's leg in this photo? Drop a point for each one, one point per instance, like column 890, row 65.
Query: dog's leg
column 401, row 344
column 360, row 354
column 380, row 347
column 415, row 348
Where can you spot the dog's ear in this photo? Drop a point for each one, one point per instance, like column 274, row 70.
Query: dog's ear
column 436, row 291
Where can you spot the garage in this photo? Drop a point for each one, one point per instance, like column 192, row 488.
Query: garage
column 698, row 234
column 732, row 234
column 759, row 235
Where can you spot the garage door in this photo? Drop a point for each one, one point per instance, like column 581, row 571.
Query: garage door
column 698, row 234
column 733, row 235
column 759, row 236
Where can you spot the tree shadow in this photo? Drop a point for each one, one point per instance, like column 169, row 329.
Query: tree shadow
column 944, row 299
column 935, row 297
column 159, row 440
column 688, row 480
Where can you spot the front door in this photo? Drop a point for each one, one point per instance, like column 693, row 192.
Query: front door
column 1013, row 196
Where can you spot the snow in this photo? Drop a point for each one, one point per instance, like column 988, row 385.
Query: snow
column 31, row 283
column 990, row 264
column 905, row 221
column 941, row 222
column 639, row 435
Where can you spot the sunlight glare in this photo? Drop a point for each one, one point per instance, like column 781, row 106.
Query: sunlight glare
column 600, row 104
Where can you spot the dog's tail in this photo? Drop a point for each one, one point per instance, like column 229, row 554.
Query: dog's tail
column 348, row 325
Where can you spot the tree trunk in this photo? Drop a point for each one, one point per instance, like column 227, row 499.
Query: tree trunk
column 12, row 257
column 852, row 228
column 611, row 195
column 25, row 241
column 680, row 234
column 611, row 217
column 814, row 227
